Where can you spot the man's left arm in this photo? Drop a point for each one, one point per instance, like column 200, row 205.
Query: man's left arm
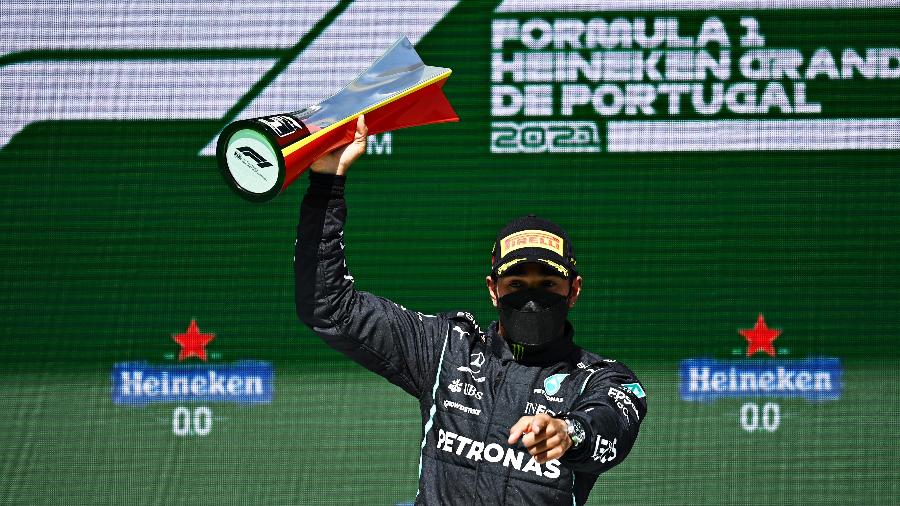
column 606, row 415
column 610, row 409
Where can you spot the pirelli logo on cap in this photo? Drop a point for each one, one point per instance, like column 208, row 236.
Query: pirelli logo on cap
column 531, row 239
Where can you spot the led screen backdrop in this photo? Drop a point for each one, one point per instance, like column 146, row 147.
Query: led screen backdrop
column 728, row 171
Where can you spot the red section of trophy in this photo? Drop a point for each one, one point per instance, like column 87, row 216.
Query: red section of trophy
column 425, row 106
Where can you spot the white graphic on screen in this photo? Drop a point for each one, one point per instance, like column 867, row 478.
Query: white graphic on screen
column 652, row 82
column 40, row 82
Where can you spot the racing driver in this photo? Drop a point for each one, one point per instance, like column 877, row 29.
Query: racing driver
column 514, row 413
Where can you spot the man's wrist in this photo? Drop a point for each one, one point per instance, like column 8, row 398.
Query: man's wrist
column 324, row 190
column 331, row 185
column 575, row 431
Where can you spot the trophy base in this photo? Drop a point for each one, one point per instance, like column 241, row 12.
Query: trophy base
column 251, row 161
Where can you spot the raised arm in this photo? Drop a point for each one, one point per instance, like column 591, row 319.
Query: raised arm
column 401, row 345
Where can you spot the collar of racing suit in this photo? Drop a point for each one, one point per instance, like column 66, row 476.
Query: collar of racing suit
column 561, row 349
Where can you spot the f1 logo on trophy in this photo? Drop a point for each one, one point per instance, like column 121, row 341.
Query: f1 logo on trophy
column 260, row 157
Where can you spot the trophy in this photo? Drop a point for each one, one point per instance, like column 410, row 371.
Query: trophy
column 260, row 157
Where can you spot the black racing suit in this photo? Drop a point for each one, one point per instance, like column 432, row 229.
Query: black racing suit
column 470, row 388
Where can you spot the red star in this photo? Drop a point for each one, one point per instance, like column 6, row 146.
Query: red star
column 760, row 337
column 193, row 343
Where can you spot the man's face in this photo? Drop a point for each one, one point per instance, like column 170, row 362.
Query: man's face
column 533, row 275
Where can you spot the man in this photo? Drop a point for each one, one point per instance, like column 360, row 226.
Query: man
column 511, row 414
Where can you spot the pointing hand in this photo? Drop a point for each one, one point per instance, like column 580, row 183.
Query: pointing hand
column 544, row 437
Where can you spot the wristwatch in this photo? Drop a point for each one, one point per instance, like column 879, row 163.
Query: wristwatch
column 575, row 431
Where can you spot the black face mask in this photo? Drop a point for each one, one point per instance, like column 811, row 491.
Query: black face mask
column 533, row 317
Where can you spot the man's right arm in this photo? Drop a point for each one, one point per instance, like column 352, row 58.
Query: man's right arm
column 401, row 345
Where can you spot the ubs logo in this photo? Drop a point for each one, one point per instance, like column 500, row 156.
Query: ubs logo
column 466, row 389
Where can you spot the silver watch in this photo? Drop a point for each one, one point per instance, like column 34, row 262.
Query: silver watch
column 575, row 431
